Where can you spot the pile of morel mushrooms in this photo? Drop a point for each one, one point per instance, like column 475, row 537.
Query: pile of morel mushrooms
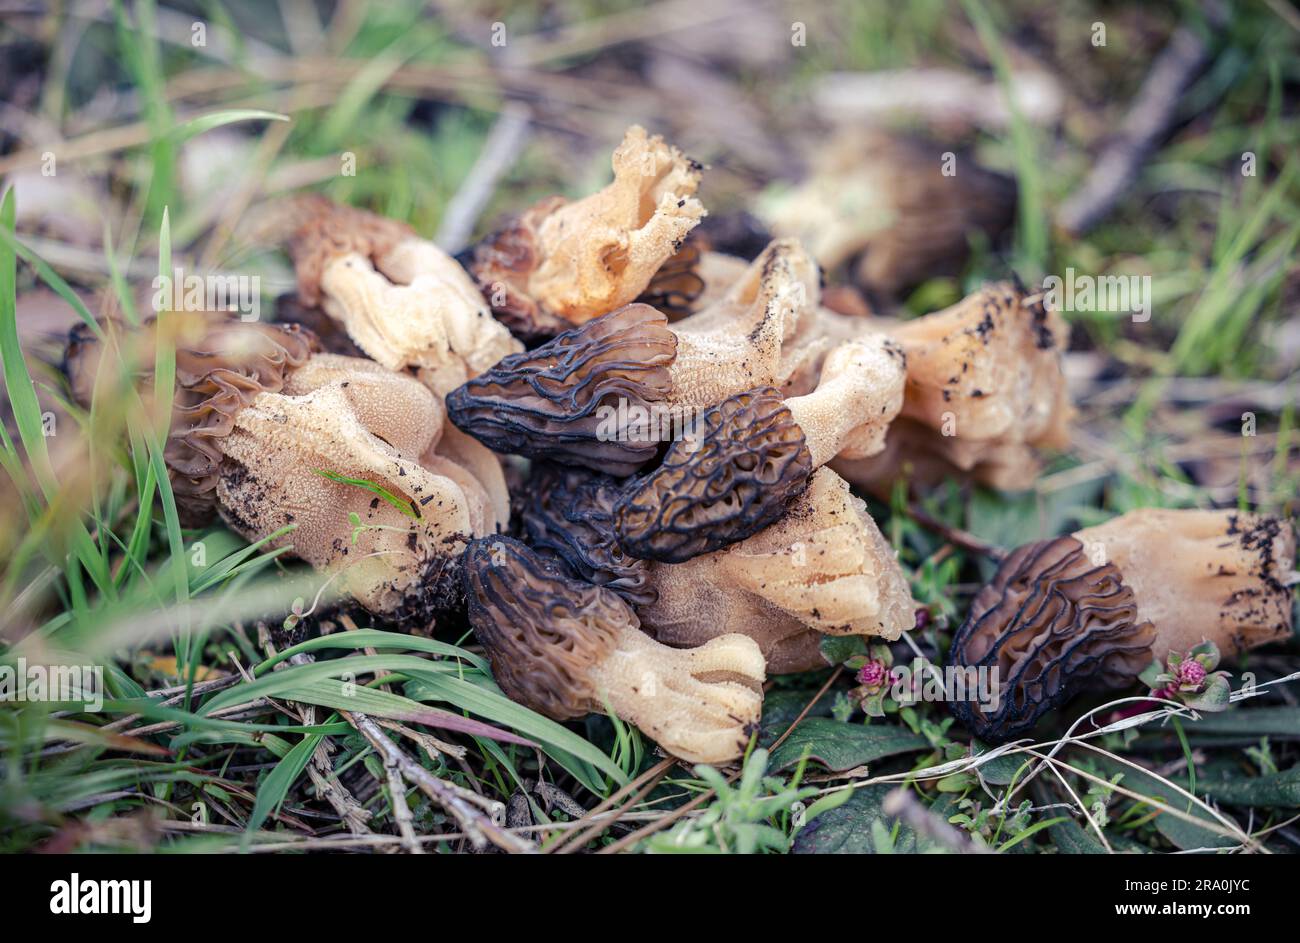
column 681, row 430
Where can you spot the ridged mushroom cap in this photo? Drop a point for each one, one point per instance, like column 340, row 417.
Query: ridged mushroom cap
column 1052, row 623
column 576, row 398
column 1092, row 609
column 731, row 477
column 543, row 631
column 569, row 512
column 567, row 648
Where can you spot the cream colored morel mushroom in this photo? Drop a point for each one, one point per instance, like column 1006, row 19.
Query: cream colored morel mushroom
column 566, row 648
column 822, row 569
column 402, row 300
column 270, row 434
column 565, row 263
column 1094, row 608
column 985, row 390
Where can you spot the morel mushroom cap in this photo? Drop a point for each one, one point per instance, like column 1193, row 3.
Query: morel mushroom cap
column 567, row 648
column 607, row 394
column 569, row 512
column 730, row 478
column 823, row 568
column 403, row 300
column 579, row 260
column 753, row 454
column 1092, row 609
column 580, row 397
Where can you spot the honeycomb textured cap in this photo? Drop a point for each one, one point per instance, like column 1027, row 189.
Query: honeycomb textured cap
column 822, row 569
column 1051, row 623
column 727, row 480
column 586, row 397
column 569, row 512
column 543, row 631
column 566, row 648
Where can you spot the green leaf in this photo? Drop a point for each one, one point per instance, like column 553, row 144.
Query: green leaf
column 200, row 124
column 848, row 828
column 408, row 507
column 840, row 746
column 837, row 649
column 272, row 792
column 1272, row 791
column 562, row 743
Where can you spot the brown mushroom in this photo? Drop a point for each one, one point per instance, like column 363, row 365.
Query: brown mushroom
column 270, row 435
column 884, row 205
column 571, row 262
column 753, row 453
column 985, row 389
column 822, row 569
column 1092, row 609
column 566, row 648
column 402, row 300
column 569, row 513
column 608, row 394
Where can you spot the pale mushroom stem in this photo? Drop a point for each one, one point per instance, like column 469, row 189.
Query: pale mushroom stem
column 698, row 704
column 860, row 393
column 1202, row 575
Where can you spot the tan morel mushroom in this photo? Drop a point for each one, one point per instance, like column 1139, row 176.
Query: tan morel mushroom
column 1093, row 608
column 566, row 648
column 608, row 394
column 402, row 300
column 270, row 434
column 885, row 205
column 753, row 453
column 563, row 263
column 985, row 388
column 822, row 569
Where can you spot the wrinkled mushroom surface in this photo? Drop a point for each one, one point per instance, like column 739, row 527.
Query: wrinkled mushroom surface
column 733, row 346
column 576, row 261
column 986, row 376
column 272, row 434
column 402, row 300
column 731, row 478
column 735, row 472
column 1092, row 609
column 566, row 648
column 222, row 365
column 569, row 512
column 1050, row 624
column 822, row 569
column 585, row 397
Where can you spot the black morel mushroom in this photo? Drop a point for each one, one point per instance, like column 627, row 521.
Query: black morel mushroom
column 569, row 512
column 583, row 398
column 1093, row 609
column 566, row 648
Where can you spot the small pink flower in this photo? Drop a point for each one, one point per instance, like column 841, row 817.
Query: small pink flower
column 873, row 674
column 1191, row 672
